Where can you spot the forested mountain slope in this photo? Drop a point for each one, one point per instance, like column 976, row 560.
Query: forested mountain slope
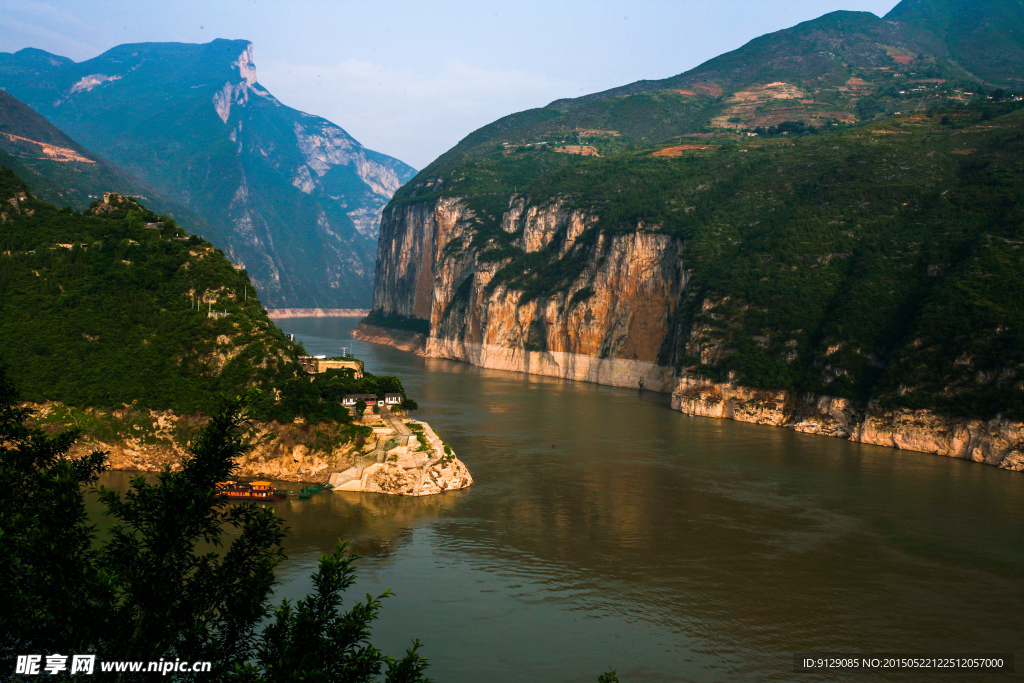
column 842, row 68
column 290, row 196
column 116, row 306
column 112, row 305
column 64, row 173
column 829, row 210
column 880, row 262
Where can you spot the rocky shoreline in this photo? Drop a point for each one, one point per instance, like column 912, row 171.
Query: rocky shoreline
column 409, row 460
column 148, row 440
column 996, row 442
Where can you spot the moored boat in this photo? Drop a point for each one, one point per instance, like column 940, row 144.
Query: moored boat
column 250, row 490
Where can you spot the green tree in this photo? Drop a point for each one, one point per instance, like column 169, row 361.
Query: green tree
column 360, row 408
column 164, row 584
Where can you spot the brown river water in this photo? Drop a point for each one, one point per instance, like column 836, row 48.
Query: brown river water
column 606, row 530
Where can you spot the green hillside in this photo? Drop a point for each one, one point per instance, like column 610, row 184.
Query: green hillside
column 876, row 262
column 62, row 172
column 116, row 306
column 840, row 69
column 849, row 193
column 292, row 197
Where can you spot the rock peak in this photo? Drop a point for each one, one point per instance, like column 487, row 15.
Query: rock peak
column 246, row 66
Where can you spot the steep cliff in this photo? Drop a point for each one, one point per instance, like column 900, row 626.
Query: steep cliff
column 774, row 281
column 607, row 326
column 291, row 197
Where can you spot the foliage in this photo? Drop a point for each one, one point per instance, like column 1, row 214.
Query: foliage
column 47, row 599
column 163, row 584
column 876, row 262
column 80, row 322
column 109, row 308
column 786, row 128
column 318, row 397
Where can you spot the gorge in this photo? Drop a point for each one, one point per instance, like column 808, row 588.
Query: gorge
column 751, row 237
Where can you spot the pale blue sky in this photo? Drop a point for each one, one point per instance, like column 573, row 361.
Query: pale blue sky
column 411, row 78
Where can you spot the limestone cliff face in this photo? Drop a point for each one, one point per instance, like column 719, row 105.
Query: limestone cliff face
column 608, row 326
column 993, row 442
column 616, row 322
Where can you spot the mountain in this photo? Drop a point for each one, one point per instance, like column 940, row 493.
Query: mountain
column 985, row 37
column 841, row 68
column 62, row 172
column 115, row 306
column 109, row 306
column 763, row 236
column 291, row 197
column 115, row 321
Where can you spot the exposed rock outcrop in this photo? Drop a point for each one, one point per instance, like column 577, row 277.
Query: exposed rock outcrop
column 147, row 440
column 616, row 323
column 290, row 196
column 993, row 442
column 415, row 465
column 608, row 326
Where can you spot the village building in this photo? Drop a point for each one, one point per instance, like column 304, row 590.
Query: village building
column 316, row 364
column 392, row 399
column 350, row 399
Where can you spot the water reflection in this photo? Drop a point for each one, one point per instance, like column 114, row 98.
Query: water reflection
column 605, row 529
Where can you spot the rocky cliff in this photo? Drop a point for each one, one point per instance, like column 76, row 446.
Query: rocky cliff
column 617, row 333
column 608, row 326
column 291, row 197
column 998, row 442
column 820, row 229
column 774, row 324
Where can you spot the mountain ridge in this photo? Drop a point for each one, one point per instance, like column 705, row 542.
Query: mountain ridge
column 62, row 172
column 290, row 196
column 824, row 237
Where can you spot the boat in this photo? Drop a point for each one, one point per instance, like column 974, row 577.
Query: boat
column 250, row 490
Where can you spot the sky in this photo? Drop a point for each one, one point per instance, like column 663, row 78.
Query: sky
column 410, row 78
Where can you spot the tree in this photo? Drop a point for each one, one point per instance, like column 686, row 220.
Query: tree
column 164, row 585
column 360, row 408
column 46, row 599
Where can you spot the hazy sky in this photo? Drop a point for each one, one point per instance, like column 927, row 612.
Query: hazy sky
column 411, row 78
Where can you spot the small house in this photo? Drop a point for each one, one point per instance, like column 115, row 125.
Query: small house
column 392, row 399
column 349, row 400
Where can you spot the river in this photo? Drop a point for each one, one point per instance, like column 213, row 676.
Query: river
column 606, row 530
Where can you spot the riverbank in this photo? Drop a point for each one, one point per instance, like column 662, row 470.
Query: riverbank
column 138, row 440
column 410, row 459
column 996, row 442
column 285, row 313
